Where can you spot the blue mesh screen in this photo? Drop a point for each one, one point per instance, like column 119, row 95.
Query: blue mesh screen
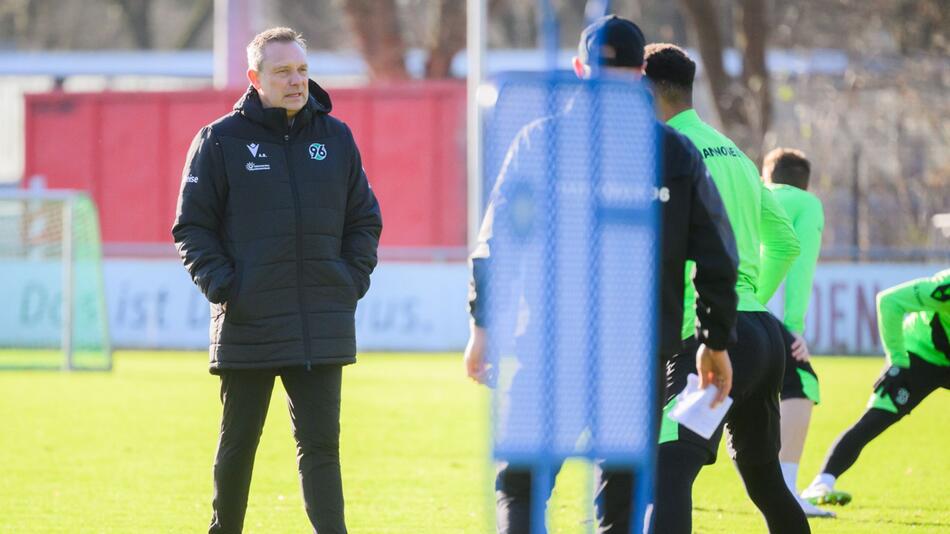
column 573, row 277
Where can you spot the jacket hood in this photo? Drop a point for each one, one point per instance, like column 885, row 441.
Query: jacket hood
column 251, row 107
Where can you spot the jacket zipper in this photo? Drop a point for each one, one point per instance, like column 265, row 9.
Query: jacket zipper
column 299, row 225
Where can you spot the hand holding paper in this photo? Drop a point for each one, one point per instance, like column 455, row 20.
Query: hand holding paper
column 714, row 367
column 694, row 411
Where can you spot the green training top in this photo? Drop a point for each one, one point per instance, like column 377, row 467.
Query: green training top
column 764, row 236
column 808, row 220
column 908, row 316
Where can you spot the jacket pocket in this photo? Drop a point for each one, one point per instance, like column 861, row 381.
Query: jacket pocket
column 231, row 304
column 358, row 279
column 347, row 276
column 218, row 313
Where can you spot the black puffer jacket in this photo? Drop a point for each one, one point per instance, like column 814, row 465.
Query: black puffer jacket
column 278, row 227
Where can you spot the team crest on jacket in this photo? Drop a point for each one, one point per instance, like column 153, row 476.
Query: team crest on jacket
column 318, row 151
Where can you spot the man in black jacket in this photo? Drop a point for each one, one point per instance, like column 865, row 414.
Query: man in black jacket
column 278, row 227
column 694, row 227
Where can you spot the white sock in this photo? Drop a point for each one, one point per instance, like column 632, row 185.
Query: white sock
column 826, row 479
column 790, row 474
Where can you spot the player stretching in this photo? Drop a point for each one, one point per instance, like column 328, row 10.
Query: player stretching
column 786, row 173
column 767, row 245
column 914, row 321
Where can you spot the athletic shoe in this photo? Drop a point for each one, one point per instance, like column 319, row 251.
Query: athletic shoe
column 813, row 511
column 823, row 494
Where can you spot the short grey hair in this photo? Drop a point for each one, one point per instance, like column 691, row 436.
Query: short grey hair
column 255, row 49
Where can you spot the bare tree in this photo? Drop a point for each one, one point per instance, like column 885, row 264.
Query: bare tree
column 376, row 26
column 382, row 41
column 920, row 24
column 449, row 38
column 201, row 12
column 138, row 16
column 743, row 103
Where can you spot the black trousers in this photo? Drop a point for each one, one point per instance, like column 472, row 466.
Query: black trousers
column 313, row 398
column 758, row 362
column 846, row 450
column 613, row 499
column 904, row 392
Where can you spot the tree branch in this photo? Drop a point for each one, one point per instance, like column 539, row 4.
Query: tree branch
column 200, row 15
column 376, row 26
column 449, row 38
column 755, row 74
column 137, row 14
column 726, row 95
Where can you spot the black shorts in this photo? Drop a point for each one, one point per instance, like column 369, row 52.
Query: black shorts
column 758, row 361
column 902, row 390
column 800, row 380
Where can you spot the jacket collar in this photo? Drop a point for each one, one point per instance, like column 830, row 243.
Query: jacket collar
column 684, row 118
column 275, row 119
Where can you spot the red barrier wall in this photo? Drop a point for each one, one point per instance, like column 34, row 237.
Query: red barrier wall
column 128, row 150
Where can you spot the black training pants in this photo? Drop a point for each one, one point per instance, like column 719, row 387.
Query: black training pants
column 758, row 359
column 918, row 381
column 845, row 451
column 313, row 398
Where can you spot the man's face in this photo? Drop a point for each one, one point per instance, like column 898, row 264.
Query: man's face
column 282, row 81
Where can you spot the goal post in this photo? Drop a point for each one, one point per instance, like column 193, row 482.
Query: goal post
column 51, row 281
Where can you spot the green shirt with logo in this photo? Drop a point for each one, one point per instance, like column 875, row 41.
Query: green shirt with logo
column 915, row 317
column 764, row 236
column 808, row 219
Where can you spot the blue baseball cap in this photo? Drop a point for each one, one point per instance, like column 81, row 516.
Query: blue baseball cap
column 620, row 42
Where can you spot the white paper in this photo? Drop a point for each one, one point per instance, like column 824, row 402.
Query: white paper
column 692, row 408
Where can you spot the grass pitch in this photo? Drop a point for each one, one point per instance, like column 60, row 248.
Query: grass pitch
column 131, row 451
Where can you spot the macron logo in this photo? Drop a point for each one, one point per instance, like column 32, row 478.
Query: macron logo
column 253, row 148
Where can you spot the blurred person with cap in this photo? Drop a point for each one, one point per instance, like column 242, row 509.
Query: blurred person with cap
column 694, row 227
column 278, row 228
column 767, row 246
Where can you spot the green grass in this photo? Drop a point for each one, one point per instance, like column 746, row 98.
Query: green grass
column 899, row 482
column 51, row 360
column 131, row 451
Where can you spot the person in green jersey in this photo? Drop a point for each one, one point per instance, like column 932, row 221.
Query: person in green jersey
column 914, row 321
column 767, row 246
column 786, row 173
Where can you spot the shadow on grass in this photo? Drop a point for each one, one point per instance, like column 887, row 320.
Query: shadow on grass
column 845, row 518
column 906, row 523
column 724, row 511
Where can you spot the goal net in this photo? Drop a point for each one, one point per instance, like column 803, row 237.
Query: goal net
column 54, row 312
